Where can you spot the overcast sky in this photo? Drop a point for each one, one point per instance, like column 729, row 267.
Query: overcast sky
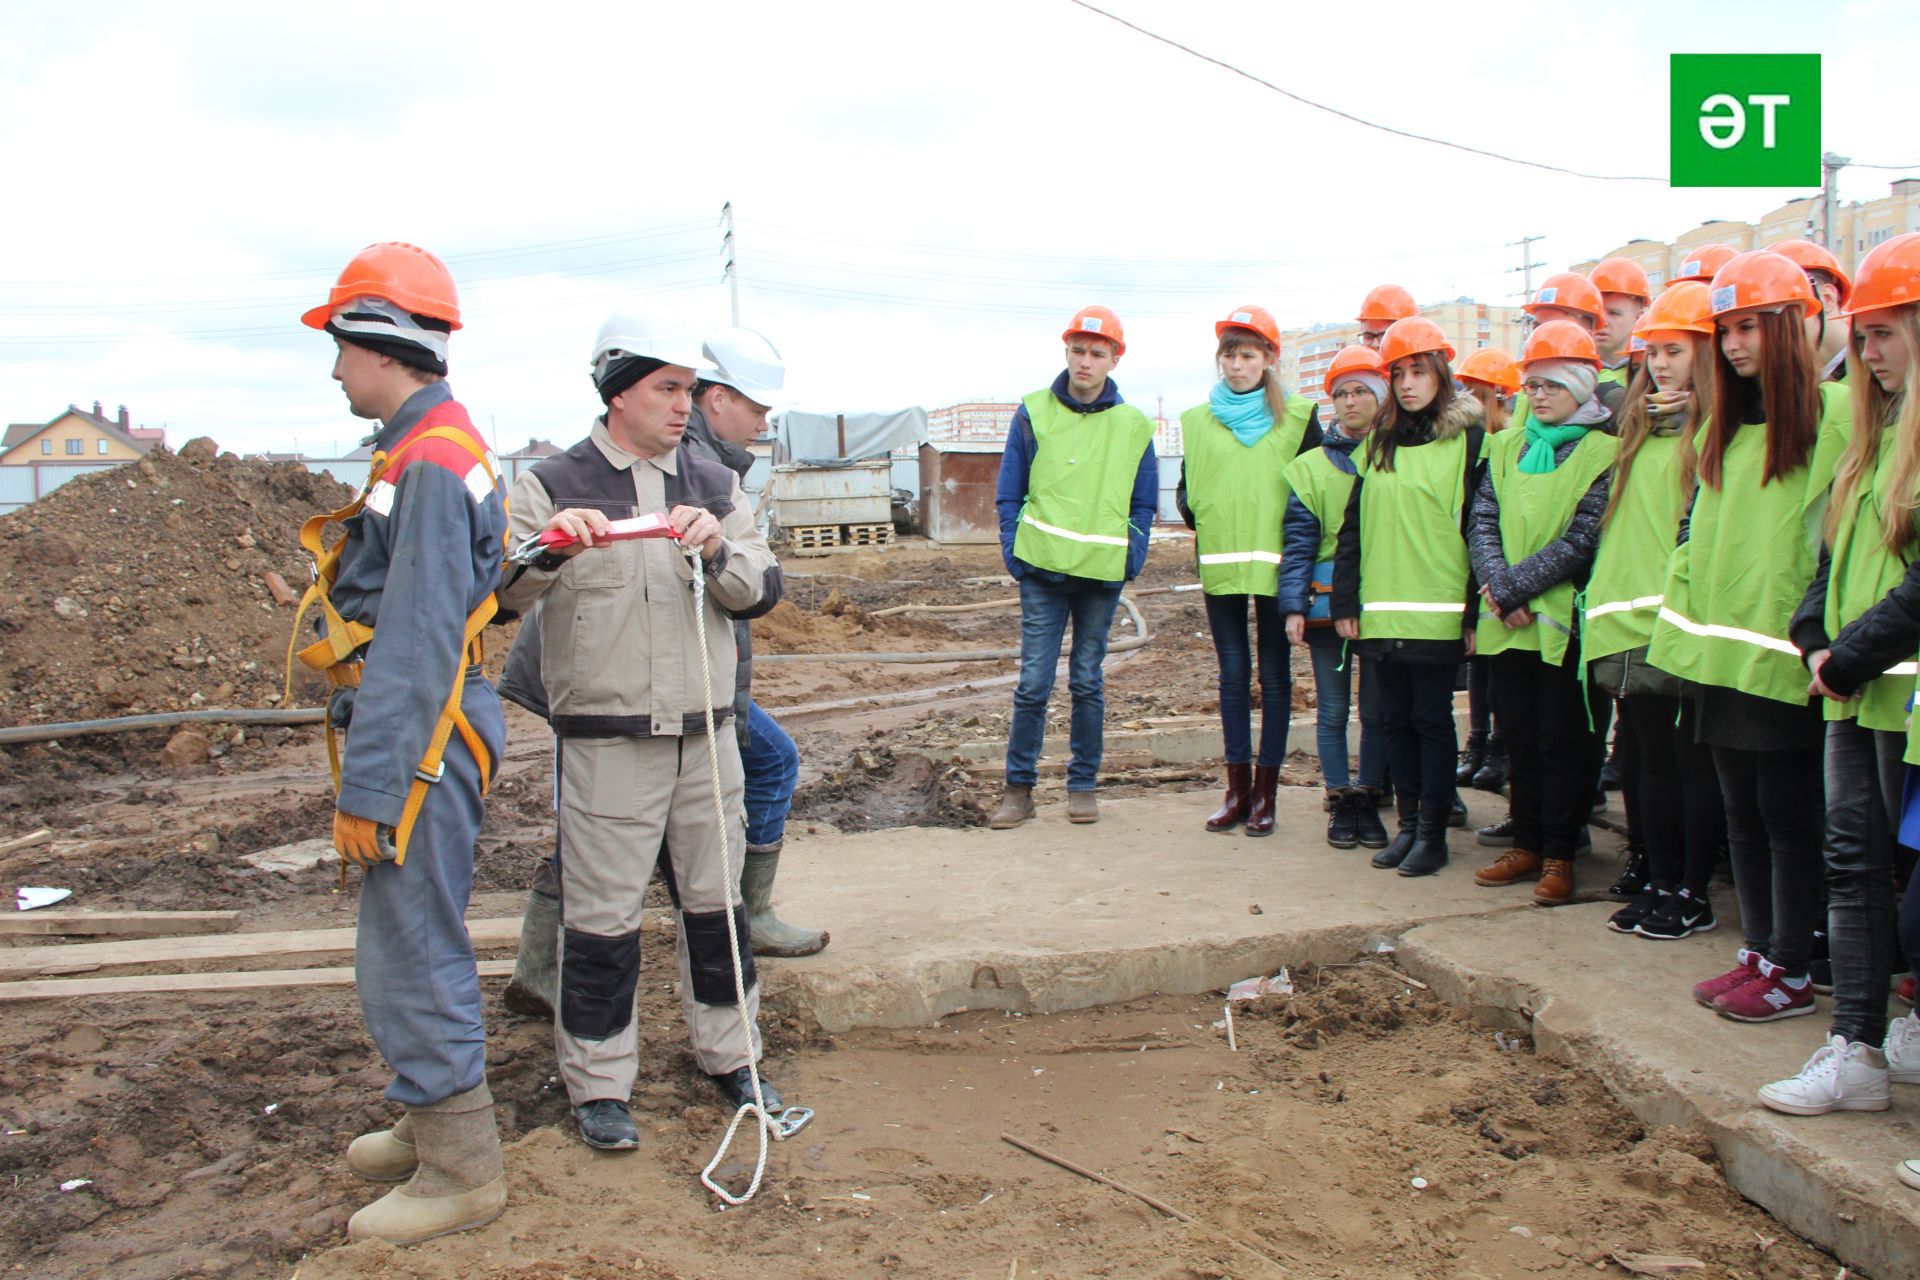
column 925, row 192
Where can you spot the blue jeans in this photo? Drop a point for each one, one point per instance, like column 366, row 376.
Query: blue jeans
column 1333, row 693
column 1227, row 620
column 772, row 765
column 1044, row 610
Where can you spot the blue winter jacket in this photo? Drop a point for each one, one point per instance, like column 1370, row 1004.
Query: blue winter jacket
column 1017, row 463
column 1300, row 531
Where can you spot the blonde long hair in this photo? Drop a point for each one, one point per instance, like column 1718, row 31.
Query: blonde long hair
column 1636, row 424
column 1236, row 337
column 1874, row 410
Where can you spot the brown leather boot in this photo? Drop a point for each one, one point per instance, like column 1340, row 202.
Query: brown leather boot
column 1233, row 808
column 1512, row 867
column 1556, row 884
column 1016, row 806
column 1266, row 781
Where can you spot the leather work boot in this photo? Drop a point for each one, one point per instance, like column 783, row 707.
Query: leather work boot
column 1472, row 756
column 1429, row 851
column 534, row 988
column 1556, row 883
column 1396, row 849
column 1266, row 781
column 1016, row 806
column 1512, row 867
column 1233, row 807
column 1493, row 775
column 385, row 1156
column 1083, row 806
column 771, row 935
column 459, row 1185
column 737, row 1084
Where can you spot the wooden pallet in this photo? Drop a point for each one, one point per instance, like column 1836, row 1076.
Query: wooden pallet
column 807, row 538
column 868, row 535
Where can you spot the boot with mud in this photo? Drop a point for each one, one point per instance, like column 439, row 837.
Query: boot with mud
column 460, row 1183
column 772, row 936
column 1084, row 806
column 534, row 988
column 1233, row 806
column 1016, row 806
column 386, row 1156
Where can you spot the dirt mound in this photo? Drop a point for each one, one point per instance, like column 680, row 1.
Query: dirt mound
column 142, row 588
column 840, row 625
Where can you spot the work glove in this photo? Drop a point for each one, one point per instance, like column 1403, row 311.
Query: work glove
column 355, row 840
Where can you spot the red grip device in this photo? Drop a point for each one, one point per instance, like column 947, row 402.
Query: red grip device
column 647, row 526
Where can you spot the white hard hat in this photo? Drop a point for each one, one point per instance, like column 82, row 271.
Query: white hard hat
column 647, row 329
column 748, row 363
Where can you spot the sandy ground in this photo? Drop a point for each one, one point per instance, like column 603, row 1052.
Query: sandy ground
column 211, row 1126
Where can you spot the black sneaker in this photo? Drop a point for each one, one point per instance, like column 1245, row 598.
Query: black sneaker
column 1628, row 918
column 1457, row 814
column 1633, row 879
column 1497, row 835
column 1678, row 915
column 738, row 1086
column 1343, row 824
column 607, row 1124
column 1370, row 831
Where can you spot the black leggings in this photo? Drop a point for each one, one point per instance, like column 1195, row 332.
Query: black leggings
column 1479, row 702
column 1774, row 820
column 1677, row 797
column 1554, row 751
column 1416, row 721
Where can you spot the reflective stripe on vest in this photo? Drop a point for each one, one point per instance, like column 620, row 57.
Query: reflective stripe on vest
column 1058, row 532
column 1720, row 631
column 1241, row 557
column 1412, row 606
column 1622, row 606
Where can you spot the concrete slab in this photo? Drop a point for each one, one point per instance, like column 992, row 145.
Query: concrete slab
column 1622, row 1007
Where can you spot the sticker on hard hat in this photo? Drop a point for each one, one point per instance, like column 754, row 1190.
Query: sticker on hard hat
column 1721, row 299
column 1241, row 317
column 1690, row 268
column 1091, row 324
column 1548, row 295
column 1637, row 345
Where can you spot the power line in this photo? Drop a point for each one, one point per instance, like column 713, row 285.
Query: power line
column 1855, row 164
column 1344, row 115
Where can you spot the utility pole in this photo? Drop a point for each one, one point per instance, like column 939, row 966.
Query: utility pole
column 726, row 247
column 1830, row 167
column 1527, row 264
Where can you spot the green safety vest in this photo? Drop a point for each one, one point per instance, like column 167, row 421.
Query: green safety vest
column 1535, row 510
column 1860, row 573
column 1733, row 587
column 1080, row 489
column 1323, row 488
column 1238, row 496
column 1413, row 558
column 1620, row 376
column 1630, row 568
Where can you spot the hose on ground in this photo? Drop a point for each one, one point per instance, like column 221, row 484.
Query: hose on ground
column 1135, row 641
column 24, row 733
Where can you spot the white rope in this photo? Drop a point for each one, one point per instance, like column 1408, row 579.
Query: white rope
column 758, row 1105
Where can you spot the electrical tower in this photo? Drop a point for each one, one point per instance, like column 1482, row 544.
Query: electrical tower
column 726, row 248
column 1527, row 263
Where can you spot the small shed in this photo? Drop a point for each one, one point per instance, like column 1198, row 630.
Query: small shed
column 958, row 479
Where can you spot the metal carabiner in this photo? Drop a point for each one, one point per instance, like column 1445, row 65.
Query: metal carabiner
column 790, row 1121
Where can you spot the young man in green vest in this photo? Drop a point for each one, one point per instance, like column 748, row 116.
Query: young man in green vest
column 1078, row 489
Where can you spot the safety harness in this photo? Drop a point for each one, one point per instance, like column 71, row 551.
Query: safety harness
column 339, row 653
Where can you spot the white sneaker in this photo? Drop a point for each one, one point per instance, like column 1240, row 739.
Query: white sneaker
column 1903, row 1050
column 1841, row 1075
column 1908, row 1172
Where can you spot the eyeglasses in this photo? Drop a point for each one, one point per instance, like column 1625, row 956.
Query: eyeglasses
column 1536, row 389
column 1351, row 393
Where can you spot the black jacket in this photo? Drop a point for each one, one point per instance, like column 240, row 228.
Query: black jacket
column 1887, row 633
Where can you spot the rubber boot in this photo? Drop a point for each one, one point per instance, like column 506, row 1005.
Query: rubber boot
column 1266, row 781
column 1016, row 806
column 1397, row 848
column 1233, row 807
column 1429, row 852
column 535, row 986
column 459, row 1185
column 772, row 936
column 386, row 1156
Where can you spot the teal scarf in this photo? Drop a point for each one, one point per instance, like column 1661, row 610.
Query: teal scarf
column 1543, row 443
column 1245, row 413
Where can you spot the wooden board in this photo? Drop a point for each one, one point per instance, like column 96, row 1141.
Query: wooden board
column 135, row 984
column 27, row 841
column 20, row 962
column 120, row 924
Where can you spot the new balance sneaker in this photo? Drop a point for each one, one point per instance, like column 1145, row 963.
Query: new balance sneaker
column 1739, row 976
column 1767, row 998
column 1679, row 915
column 1628, row 918
column 1842, row 1075
column 1903, row 1050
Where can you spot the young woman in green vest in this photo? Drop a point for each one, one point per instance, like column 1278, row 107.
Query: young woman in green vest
column 1675, row 800
column 1491, row 376
column 1233, row 495
column 1535, row 527
column 1860, row 633
column 1402, row 587
column 1322, row 480
column 1745, row 560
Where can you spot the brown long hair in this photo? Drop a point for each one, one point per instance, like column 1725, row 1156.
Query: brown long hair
column 1874, row 410
column 1488, row 395
column 1636, row 424
column 1232, row 340
column 1382, row 441
column 1786, row 395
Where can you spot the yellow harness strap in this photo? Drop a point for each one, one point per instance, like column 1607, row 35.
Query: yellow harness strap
column 334, row 653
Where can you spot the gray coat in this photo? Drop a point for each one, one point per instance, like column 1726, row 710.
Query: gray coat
column 703, row 442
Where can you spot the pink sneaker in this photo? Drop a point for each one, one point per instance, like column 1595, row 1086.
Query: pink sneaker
column 1767, row 998
column 1732, row 980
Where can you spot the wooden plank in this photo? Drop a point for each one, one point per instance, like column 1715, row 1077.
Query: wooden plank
column 141, row 983
column 120, row 924
column 161, row 952
column 27, row 841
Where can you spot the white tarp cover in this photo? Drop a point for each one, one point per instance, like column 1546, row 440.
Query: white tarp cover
column 808, row 436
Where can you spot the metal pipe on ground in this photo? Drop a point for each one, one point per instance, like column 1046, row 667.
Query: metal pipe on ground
column 1004, row 601
column 1138, row 640
column 24, row 733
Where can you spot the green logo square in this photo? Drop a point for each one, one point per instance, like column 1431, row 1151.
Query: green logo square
column 1745, row 120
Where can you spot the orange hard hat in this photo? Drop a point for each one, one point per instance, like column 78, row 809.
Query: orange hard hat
column 1353, row 360
column 1100, row 323
column 1492, row 366
column 1812, row 257
column 404, row 274
column 1889, row 275
column 1681, row 309
column 1386, row 303
column 1703, row 262
column 1410, row 337
column 1559, row 340
column 1258, row 319
column 1759, row 280
column 1568, row 290
column 1621, row 275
